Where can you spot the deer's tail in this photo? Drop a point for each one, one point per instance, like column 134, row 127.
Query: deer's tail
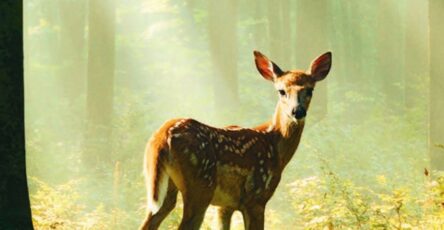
column 156, row 178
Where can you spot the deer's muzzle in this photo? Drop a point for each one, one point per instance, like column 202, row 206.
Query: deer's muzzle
column 299, row 112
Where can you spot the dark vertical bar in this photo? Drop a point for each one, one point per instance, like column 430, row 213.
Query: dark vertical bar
column 15, row 212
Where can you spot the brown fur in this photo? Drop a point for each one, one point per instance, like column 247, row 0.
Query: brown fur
column 234, row 168
column 237, row 168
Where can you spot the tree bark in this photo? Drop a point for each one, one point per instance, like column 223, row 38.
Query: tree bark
column 15, row 211
column 100, row 82
column 436, row 135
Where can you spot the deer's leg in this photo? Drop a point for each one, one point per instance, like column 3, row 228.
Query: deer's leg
column 224, row 218
column 153, row 221
column 254, row 217
column 194, row 208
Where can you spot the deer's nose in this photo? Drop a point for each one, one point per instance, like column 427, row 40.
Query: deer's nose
column 299, row 112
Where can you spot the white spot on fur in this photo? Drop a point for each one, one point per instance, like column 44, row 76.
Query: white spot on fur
column 193, row 159
column 169, row 141
column 267, row 183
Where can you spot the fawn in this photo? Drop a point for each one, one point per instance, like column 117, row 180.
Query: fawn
column 233, row 168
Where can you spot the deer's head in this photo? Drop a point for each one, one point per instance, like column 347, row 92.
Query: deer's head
column 295, row 87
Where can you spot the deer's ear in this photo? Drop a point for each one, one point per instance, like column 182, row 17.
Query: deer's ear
column 321, row 66
column 266, row 68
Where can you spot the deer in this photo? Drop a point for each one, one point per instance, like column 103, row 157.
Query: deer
column 232, row 168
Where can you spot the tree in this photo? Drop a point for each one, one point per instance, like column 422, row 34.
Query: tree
column 312, row 39
column 15, row 212
column 436, row 135
column 71, row 47
column 100, row 82
column 222, row 29
column 416, row 59
column 390, row 62
column 342, row 42
column 354, row 50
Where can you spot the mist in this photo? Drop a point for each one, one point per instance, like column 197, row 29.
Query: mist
column 102, row 76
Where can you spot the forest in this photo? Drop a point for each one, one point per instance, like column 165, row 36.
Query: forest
column 102, row 76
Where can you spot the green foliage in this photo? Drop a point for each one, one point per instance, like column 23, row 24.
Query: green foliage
column 335, row 203
column 60, row 207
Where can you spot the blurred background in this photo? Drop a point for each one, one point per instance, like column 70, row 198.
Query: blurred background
column 102, row 76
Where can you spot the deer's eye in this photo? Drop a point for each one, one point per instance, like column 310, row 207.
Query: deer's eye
column 282, row 92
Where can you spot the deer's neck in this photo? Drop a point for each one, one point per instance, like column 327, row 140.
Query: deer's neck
column 286, row 134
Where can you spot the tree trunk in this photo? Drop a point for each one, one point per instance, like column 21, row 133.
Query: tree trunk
column 100, row 83
column 223, row 46
column 416, row 56
column 15, row 211
column 436, row 135
column 312, row 33
column 355, row 45
column 390, row 59
column 72, row 72
column 341, row 33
